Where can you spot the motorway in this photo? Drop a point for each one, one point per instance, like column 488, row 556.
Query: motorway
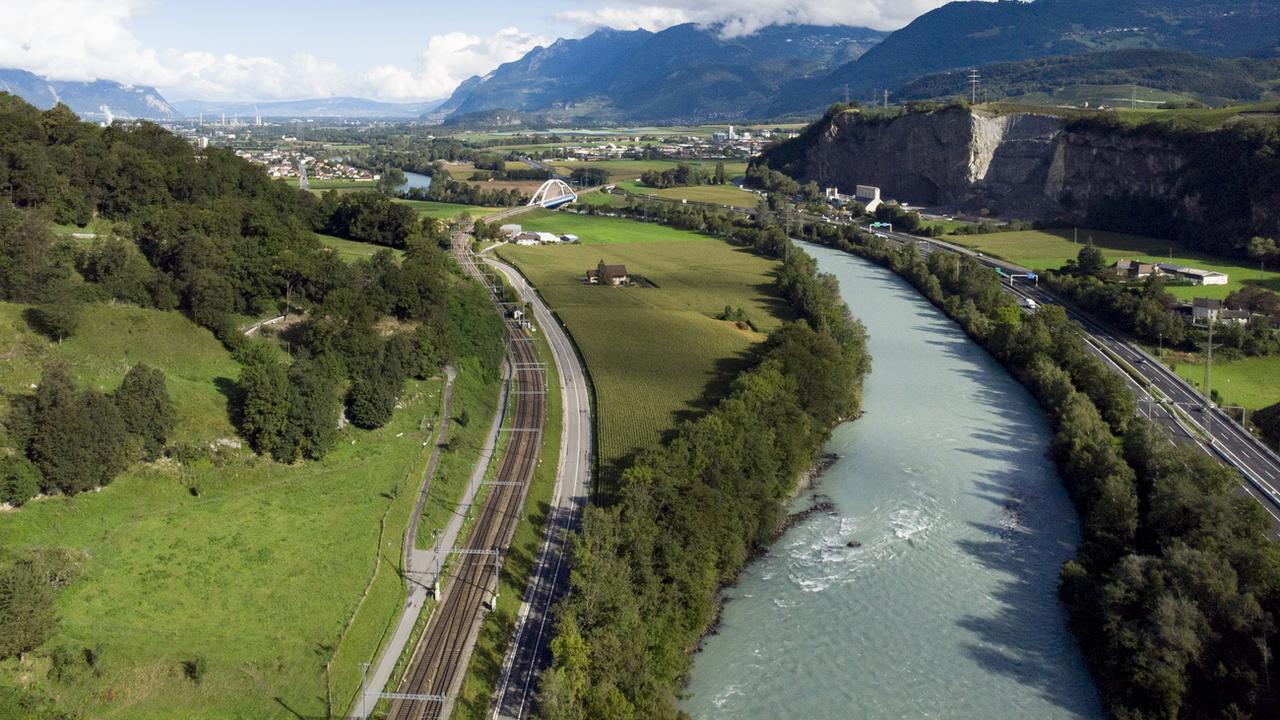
column 1166, row 398
column 431, row 686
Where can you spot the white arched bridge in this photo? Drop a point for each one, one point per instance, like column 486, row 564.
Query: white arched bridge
column 553, row 194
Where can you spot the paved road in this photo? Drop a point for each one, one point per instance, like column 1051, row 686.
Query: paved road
column 529, row 652
column 1164, row 395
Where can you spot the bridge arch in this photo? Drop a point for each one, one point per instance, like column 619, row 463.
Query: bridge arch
column 553, row 193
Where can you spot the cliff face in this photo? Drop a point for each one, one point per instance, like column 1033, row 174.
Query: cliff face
column 1034, row 166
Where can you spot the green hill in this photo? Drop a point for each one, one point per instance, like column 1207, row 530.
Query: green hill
column 1117, row 77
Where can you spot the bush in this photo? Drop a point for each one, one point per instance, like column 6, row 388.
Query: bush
column 27, row 615
column 193, row 669
column 19, row 481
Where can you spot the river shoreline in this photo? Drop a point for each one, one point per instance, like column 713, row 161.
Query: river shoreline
column 930, row 581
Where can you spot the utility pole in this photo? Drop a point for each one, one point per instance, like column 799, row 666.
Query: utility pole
column 886, row 98
column 846, row 94
column 974, row 77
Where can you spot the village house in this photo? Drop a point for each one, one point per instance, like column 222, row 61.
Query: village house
column 608, row 274
column 527, row 238
column 1205, row 311
column 1134, row 269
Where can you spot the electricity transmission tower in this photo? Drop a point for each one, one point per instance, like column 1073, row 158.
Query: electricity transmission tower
column 974, row 77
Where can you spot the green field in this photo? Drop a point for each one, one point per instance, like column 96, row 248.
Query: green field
column 653, row 352
column 622, row 170
column 335, row 184
column 1253, row 383
column 1050, row 249
column 448, row 211
column 352, row 250
column 601, row 231
column 257, row 571
column 714, row 194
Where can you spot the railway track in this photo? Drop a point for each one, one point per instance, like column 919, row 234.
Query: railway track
column 444, row 650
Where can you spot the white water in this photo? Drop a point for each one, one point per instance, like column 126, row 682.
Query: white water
column 949, row 608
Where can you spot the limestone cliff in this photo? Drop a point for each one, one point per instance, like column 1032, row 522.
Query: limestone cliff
column 1176, row 183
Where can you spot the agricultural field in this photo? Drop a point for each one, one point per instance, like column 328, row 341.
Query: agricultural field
column 730, row 195
column 623, row 170
column 1048, row 249
column 249, row 567
column 1249, row 382
column 448, row 211
column 655, row 354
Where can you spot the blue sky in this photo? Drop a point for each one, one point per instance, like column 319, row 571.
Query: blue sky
column 381, row 49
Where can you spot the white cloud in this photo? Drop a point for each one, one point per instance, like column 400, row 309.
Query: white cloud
column 448, row 60
column 743, row 17
column 89, row 39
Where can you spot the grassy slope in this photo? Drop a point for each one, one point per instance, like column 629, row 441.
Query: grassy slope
column 258, row 575
column 1253, row 383
column 652, row 352
column 448, row 211
column 352, row 250
column 1041, row 250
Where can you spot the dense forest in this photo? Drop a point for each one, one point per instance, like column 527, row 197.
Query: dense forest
column 211, row 235
column 682, row 520
column 1176, row 585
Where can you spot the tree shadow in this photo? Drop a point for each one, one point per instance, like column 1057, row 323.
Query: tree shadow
column 232, row 391
column 1018, row 641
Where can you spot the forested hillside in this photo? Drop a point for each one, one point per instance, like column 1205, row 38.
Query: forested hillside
column 211, row 235
column 1210, row 79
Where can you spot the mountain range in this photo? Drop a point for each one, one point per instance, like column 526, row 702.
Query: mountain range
column 689, row 73
column 684, row 73
column 95, row 100
column 331, row 107
column 1207, row 49
column 962, row 35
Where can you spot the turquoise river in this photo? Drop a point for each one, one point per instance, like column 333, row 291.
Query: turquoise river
column 931, row 590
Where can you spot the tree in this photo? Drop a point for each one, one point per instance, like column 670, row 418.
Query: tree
column 146, row 408
column 1261, row 249
column 80, row 441
column 59, row 318
column 264, row 415
column 371, row 401
column 721, row 177
column 314, row 407
column 27, row 614
column 391, row 179
column 1090, row 262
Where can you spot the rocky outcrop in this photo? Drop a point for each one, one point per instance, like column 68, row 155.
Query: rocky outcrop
column 1154, row 179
